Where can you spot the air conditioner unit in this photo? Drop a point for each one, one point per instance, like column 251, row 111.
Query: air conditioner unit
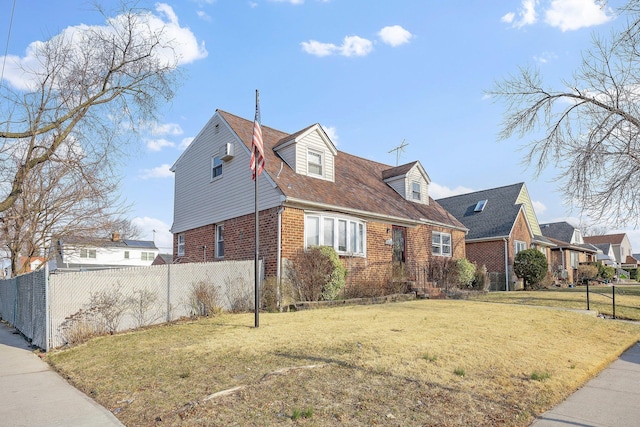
column 226, row 152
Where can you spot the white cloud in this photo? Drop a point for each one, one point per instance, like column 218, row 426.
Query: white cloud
column 289, row 1
column 394, row 35
column 351, row 46
column 162, row 171
column 158, row 144
column 156, row 230
column 574, row 14
column 545, row 57
column 165, row 129
column 508, row 18
column 253, row 4
column 21, row 72
column 526, row 15
column 317, row 48
column 186, row 142
column 332, row 133
column 203, row 15
column 538, row 207
column 438, row 191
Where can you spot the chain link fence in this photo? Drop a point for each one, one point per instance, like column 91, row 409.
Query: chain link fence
column 48, row 308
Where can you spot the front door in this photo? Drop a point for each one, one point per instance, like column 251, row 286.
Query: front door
column 399, row 237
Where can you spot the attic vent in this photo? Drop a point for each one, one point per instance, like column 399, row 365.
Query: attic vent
column 480, row 205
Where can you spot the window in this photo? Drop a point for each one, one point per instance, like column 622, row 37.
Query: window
column 219, row 240
column 87, row 253
column 126, row 254
column 480, row 205
column 416, row 194
column 147, row 256
column 441, row 243
column 519, row 246
column 314, row 163
column 180, row 244
column 345, row 235
column 216, row 167
column 573, row 259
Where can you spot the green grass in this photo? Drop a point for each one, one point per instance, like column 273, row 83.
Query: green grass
column 537, row 376
column 361, row 365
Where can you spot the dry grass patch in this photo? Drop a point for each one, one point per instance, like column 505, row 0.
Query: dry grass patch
column 600, row 299
column 392, row 364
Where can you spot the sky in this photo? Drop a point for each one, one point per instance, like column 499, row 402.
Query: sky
column 375, row 74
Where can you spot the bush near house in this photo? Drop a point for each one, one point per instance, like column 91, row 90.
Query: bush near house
column 531, row 266
column 317, row 274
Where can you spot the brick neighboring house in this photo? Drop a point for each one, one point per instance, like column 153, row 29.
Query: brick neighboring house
column 309, row 194
column 570, row 250
column 501, row 223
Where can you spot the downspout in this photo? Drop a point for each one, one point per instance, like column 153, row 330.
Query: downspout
column 506, row 263
column 279, row 258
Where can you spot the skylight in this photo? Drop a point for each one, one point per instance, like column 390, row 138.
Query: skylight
column 480, row 205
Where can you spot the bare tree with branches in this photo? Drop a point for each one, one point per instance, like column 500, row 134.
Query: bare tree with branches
column 590, row 128
column 91, row 86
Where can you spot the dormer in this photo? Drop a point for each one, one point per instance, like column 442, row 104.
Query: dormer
column 410, row 181
column 309, row 152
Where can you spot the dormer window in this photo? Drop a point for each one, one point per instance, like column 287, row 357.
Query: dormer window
column 314, row 163
column 416, row 193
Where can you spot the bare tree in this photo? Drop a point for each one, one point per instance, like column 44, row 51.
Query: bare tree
column 92, row 86
column 590, row 128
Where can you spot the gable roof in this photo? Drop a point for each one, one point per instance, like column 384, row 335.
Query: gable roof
column 108, row 243
column 562, row 231
column 614, row 239
column 497, row 218
column 358, row 186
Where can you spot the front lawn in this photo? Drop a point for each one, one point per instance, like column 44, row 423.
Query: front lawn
column 600, row 299
column 427, row 362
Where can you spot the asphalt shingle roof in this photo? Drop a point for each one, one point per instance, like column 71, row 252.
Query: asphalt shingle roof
column 497, row 217
column 358, row 183
column 558, row 230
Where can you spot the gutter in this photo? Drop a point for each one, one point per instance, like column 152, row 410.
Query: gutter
column 506, row 263
column 279, row 257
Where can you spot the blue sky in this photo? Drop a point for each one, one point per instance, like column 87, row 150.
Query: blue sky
column 373, row 73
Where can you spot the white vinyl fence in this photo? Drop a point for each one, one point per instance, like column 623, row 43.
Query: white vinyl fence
column 42, row 306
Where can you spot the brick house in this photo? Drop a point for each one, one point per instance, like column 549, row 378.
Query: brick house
column 501, row 223
column 620, row 245
column 309, row 194
column 570, row 249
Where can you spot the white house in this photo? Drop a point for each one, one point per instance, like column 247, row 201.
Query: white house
column 98, row 254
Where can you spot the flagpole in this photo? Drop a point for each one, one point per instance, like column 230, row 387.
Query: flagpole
column 256, row 265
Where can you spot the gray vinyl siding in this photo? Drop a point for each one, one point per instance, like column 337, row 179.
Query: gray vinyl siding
column 199, row 200
column 399, row 185
column 288, row 154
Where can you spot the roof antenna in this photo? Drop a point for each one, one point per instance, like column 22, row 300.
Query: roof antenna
column 399, row 149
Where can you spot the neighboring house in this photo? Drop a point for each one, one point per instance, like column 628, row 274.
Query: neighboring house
column 501, row 223
column 606, row 254
column 570, row 249
column 310, row 194
column 78, row 253
column 163, row 259
column 27, row 265
column 620, row 244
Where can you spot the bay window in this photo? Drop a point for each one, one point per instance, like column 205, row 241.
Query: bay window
column 346, row 235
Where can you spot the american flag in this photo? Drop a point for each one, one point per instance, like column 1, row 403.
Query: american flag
column 256, row 143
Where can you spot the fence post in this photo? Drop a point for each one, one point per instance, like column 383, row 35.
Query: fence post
column 588, row 295
column 614, row 301
column 169, row 292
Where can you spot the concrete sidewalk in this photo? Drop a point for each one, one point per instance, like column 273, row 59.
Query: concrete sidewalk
column 31, row 394
column 611, row 399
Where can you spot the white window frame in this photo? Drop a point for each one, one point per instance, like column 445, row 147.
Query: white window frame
column 439, row 246
column 349, row 234
column 416, row 194
column 518, row 246
column 219, row 240
column 146, row 256
column 574, row 259
column 181, row 240
column 126, row 254
column 216, row 165
column 313, row 154
column 88, row 253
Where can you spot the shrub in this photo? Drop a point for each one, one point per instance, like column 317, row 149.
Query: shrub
column 465, row 272
column 240, row 294
column 78, row 328
column 607, row 272
column 481, row 280
column 531, row 266
column 317, row 274
column 109, row 307
column 204, row 299
column 141, row 303
column 587, row 272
